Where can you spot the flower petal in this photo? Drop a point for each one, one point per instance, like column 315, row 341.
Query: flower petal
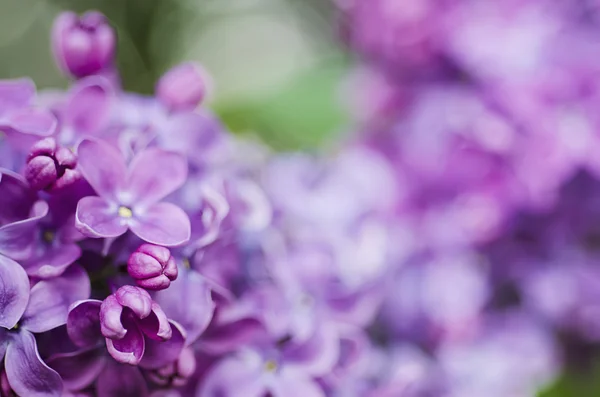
column 121, row 380
column 162, row 224
column 79, row 369
column 293, row 384
column 97, row 218
column 30, row 121
column 160, row 353
column 49, row 300
column 129, row 349
column 89, row 105
column 154, row 174
column 189, row 302
column 14, row 292
column 17, row 238
column 156, row 326
column 27, row 374
column 16, row 93
column 52, row 262
column 234, row 376
column 83, row 322
column 103, row 167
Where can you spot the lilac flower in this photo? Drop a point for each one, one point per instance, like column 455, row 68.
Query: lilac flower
column 50, row 167
column 182, row 88
column 152, row 267
column 129, row 198
column 83, row 45
column 25, row 312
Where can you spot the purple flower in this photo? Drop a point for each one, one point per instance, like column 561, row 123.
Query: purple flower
column 50, row 167
column 182, row 88
column 24, row 312
column 132, row 325
column 83, row 45
column 176, row 373
column 129, row 197
column 152, row 267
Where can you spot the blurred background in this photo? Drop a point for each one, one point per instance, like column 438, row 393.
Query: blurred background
column 276, row 64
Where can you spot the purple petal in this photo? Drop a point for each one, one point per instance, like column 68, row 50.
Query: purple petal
column 79, row 369
column 16, row 197
column 17, row 93
column 189, row 302
column 49, row 300
column 103, row 167
column 121, row 380
column 83, row 322
column 237, row 376
column 135, row 298
column 16, row 238
column 154, row 174
column 14, row 292
column 162, row 224
column 53, row 261
column 318, row 355
column 129, row 349
column 98, row 218
column 36, row 122
column 156, row 326
column 292, row 384
column 110, row 318
column 27, row 374
column 223, row 338
column 88, row 108
column 160, row 353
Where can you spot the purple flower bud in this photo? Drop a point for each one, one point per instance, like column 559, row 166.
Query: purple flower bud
column 50, row 167
column 177, row 373
column 182, row 88
column 152, row 267
column 83, row 46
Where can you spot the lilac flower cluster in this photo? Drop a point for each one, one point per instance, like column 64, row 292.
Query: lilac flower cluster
column 487, row 113
column 146, row 252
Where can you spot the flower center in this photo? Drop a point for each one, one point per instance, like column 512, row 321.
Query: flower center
column 270, row 366
column 48, row 236
column 125, row 212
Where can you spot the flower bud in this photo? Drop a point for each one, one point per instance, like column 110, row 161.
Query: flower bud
column 182, row 88
column 152, row 267
column 177, row 373
column 83, row 46
column 50, row 167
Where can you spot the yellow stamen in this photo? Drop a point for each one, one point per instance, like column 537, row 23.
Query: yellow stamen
column 125, row 212
column 48, row 236
column 186, row 263
column 270, row 366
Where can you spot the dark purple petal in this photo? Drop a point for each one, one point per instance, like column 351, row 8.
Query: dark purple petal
column 162, row 224
column 16, row 197
column 49, row 300
column 317, row 355
column 14, row 292
column 154, row 174
column 27, row 374
column 83, row 322
column 121, row 380
column 79, row 369
column 156, row 326
column 98, row 218
column 103, row 167
column 223, row 338
column 130, row 348
column 88, row 108
column 189, row 302
column 160, row 353
column 16, row 238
